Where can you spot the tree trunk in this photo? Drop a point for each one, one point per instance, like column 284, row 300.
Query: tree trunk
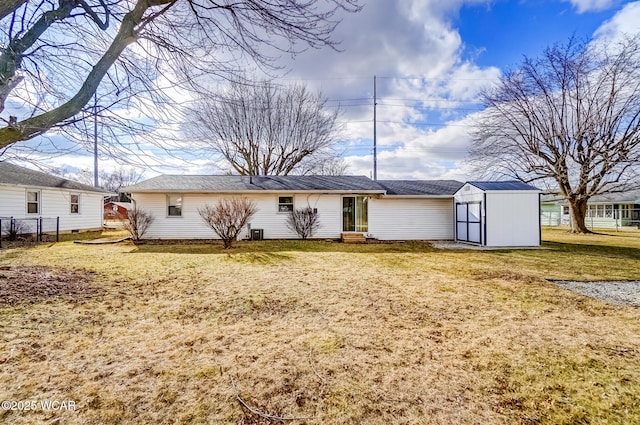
column 578, row 213
column 7, row 7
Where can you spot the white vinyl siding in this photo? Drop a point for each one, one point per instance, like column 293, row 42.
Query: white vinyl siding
column 54, row 203
column 389, row 218
column 411, row 218
column 267, row 217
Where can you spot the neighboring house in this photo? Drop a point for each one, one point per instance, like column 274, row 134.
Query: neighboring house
column 384, row 210
column 607, row 211
column 30, row 196
column 116, row 211
column 551, row 210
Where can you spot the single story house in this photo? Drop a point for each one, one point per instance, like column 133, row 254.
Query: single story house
column 606, row 211
column 34, row 197
column 383, row 209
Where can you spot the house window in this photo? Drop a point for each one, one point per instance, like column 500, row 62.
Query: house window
column 174, row 205
column 565, row 210
column 33, row 202
column 595, row 211
column 608, row 211
column 285, row 203
column 75, row 204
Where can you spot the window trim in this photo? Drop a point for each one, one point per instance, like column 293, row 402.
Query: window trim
column 290, row 206
column 71, row 204
column 38, row 201
column 168, row 201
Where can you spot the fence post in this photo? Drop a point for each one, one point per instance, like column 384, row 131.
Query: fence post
column 12, row 225
column 58, row 229
column 40, row 232
column 0, row 233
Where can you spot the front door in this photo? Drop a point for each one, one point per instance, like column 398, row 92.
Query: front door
column 355, row 214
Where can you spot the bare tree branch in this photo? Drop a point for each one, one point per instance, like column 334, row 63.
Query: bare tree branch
column 52, row 62
column 571, row 117
column 264, row 129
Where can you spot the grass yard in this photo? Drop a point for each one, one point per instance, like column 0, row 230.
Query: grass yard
column 319, row 333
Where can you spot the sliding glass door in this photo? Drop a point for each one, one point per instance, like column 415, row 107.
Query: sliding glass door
column 355, row 214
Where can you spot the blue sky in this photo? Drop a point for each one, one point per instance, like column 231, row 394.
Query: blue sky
column 501, row 33
column 431, row 57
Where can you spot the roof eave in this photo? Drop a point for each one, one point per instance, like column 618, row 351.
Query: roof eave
column 31, row 186
column 253, row 192
column 419, row 196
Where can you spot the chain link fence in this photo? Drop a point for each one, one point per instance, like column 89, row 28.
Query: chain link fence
column 36, row 229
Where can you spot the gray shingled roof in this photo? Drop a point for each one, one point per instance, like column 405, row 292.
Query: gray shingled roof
column 503, row 185
column 421, row 187
column 15, row 175
column 177, row 183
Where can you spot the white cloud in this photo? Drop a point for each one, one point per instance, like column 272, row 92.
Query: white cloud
column 583, row 6
column 425, row 89
column 626, row 21
column 423, row 84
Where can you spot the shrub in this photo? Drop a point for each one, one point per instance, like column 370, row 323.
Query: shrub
column 228, row 217
column 138, row 223
column 304, row 221
column 14, row 228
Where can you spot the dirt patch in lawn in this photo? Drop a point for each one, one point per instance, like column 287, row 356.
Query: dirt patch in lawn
column 22, row 284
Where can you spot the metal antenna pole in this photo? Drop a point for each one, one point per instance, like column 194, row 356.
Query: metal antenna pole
column 375, row 141
column 95, row 140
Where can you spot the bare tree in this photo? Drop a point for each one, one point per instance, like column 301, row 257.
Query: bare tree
column 304, row 221
column 55, row 54
column 265, row 129
column 113, row 181
column 228, row 217
column 569, row 119
column 138, row 223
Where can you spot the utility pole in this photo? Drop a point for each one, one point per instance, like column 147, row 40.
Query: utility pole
column 375, row 141
column 95, row 140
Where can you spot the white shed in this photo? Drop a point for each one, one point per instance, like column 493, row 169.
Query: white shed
column 499, row 214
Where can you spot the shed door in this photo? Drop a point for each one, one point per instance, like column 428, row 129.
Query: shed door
column 469, row 222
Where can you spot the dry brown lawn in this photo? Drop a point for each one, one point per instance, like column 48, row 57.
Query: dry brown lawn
column 319, row 333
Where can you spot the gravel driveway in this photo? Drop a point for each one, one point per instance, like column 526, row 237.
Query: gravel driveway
column 616, row 292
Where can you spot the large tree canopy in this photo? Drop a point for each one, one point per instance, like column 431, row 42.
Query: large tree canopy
column 264, row 129
column 54, row 54
column 570, row 117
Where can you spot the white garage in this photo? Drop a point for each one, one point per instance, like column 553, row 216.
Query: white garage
column 499, row 214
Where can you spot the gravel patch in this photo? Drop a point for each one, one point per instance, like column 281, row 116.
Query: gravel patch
column 615, row 292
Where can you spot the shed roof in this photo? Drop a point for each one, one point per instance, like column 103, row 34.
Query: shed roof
column 12, row 174
column 178, row 183
column 421, row 187
column 502, row 185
